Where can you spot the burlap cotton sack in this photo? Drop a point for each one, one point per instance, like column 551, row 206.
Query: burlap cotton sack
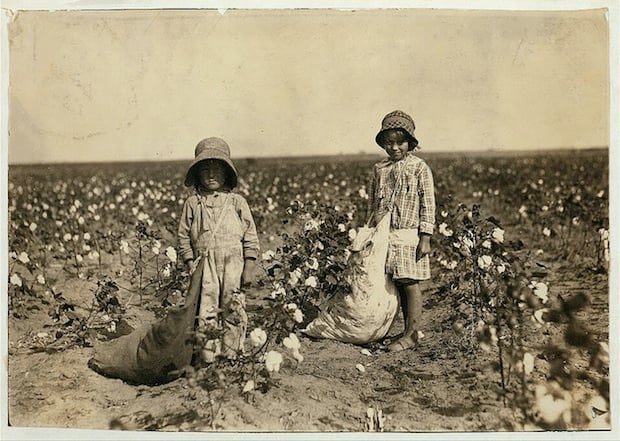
column 366, row 313
column 154, row 353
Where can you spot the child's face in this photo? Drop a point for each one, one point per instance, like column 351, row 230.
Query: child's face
column 211, row 174
column 395, row 143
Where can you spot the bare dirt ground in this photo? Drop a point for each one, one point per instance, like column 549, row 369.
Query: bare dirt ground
column 432, row 388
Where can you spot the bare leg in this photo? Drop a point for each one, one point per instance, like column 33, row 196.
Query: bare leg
column 411, row 305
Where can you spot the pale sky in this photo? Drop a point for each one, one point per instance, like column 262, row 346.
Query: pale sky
column 148, row 85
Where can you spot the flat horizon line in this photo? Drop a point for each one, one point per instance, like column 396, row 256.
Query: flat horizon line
column 486, row 152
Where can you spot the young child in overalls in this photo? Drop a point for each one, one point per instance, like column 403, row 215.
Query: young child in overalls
column 217, row 225
column 402, row 186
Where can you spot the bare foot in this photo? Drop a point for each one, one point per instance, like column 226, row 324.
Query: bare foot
column 403, row 343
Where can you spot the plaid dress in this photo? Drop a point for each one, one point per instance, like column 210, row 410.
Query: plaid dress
column 405, row 189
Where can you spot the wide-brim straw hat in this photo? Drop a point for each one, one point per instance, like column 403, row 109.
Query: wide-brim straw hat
column 212, row 148
column 398, row 120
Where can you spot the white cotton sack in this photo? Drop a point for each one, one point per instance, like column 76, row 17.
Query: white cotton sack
column 366, row 313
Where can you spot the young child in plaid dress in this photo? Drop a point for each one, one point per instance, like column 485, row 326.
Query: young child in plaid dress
column 402, row 186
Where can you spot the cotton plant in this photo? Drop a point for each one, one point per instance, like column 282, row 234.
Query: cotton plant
column 490, row 275
column 476, row 256
column 258, row 366
column 154, row 263
column 558, row 406
column 29, row 281
column 558, row 212
column 488, row 284
column 312, row 256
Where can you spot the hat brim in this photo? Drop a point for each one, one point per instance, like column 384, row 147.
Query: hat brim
column 415, row 140
column 211, row 154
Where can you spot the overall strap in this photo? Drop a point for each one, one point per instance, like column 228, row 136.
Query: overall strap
column 218, row 221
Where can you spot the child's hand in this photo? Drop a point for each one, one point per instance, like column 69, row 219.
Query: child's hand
column 191, row 266
column 250, row 271
column 424, row 246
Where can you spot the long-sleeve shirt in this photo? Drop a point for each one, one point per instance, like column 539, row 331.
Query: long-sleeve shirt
column 199, row 219
column 406, row 189
column 407, row 186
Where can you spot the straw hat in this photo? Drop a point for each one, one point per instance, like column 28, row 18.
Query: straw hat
column 398, row 120
column 212, row 148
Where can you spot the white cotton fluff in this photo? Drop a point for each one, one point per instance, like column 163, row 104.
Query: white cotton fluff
column 366, row 313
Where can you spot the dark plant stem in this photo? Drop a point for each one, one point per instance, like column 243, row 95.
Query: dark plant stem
column 500, row 352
